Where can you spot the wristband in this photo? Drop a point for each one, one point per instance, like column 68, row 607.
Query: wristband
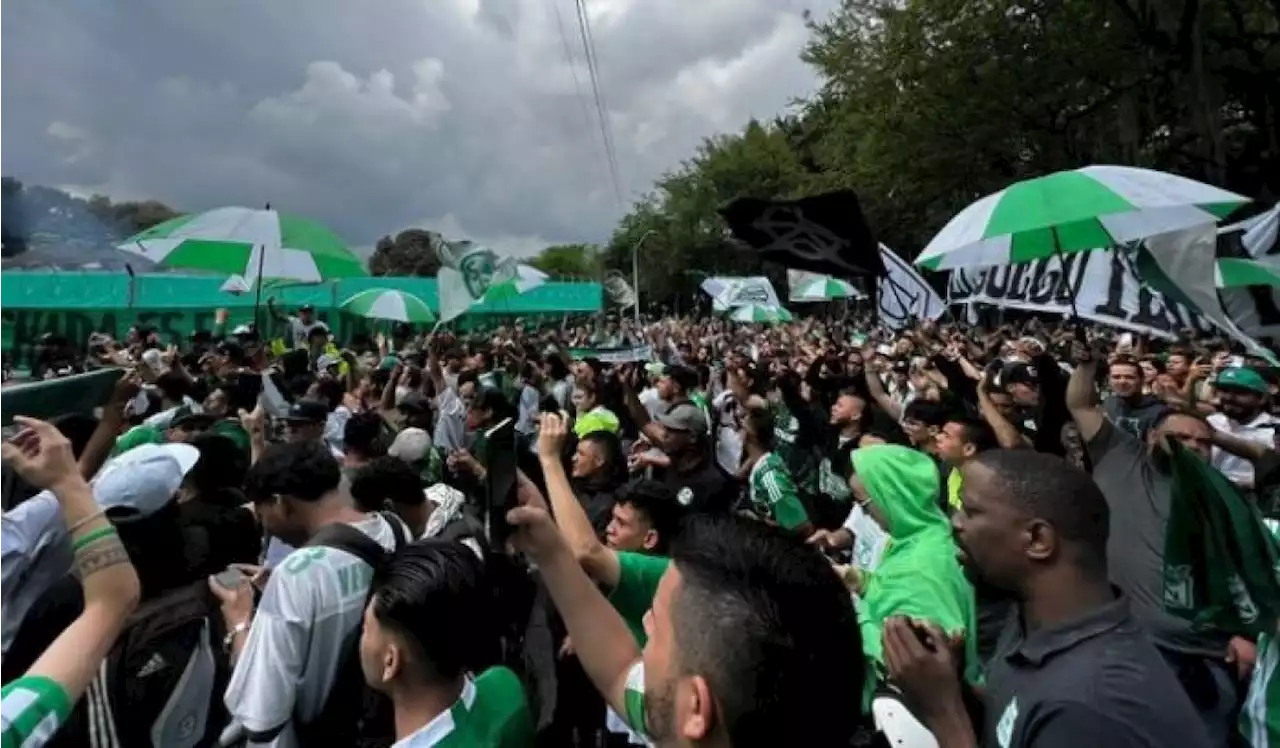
column 85, row 520
column 91, row 538
column 229, row 640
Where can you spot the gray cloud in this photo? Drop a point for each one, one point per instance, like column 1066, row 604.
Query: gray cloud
column 458, row 115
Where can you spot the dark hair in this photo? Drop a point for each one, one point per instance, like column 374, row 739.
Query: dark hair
column 331, row 392
column 762, row 425
column 433, row 595
column 242, row 390
column 615, row 460
column 1172, row 411
column 306, row 471
column 928, row 412
column 386, row 479
column 556, row 368
column 1051, row 489
column 363, row 434
column 658, row 504
column 977, row 432
column 222, row 465
column 767, row 622
column 173, row 385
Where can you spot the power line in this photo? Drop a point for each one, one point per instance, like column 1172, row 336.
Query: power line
column 588, row 49
column 567, row 48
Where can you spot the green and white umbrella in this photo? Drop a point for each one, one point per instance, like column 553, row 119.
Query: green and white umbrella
column 806, row 287
column 759, row 313
column 1236, row 272
column 386, row 303
column 1074, row 211
column 249, row 243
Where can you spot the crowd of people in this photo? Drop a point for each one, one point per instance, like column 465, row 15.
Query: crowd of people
column 823, row 533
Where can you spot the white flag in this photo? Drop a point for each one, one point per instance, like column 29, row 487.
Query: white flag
column 730, row 293
column 618, row 290
column 904, row 295
column 467, row 272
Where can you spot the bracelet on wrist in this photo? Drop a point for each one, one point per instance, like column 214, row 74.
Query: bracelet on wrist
column 84, row 541
column 71, row 529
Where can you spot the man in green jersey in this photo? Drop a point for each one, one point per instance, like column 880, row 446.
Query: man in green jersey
column 771, row 489
column 419, row 640
column 752, row 638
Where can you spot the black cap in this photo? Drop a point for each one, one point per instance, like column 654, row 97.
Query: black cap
column 186, row 419
column 1020, row 373
column 308, row 411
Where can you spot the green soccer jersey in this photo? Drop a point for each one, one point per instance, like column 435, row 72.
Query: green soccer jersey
column 492, row 712
column 773, row 493
column 1260, row 713
column 136, row 437
column 638, row 576
column 32, row 708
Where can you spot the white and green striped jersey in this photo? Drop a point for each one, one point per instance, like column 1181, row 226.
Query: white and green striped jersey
column 773, row 492
column 633, row 701
column 491, row 712
column 1260, row 713
column 32, row 708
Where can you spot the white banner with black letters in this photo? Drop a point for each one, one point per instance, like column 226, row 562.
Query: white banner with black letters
column 1104, row 284
column 730, row 293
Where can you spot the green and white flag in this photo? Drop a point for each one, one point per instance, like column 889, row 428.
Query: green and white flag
column 468, row 271
column 1235, row 272
column 1182, row 265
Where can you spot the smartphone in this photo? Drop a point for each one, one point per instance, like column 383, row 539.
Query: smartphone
column 500, row 486
column 231, row 578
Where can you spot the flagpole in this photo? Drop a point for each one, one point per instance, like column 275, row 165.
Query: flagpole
column 635, row 269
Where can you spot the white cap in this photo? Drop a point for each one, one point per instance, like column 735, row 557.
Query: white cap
column 410, row 445
column 144, row 479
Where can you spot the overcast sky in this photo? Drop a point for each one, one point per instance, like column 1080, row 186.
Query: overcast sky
column 456, row 115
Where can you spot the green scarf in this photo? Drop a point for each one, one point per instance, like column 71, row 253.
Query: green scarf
column 1220, row 561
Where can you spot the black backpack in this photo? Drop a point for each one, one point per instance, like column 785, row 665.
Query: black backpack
column 163, row 681
column 354, row 714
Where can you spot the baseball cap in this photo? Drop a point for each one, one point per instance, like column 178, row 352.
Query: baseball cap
column 143, row 480
column 684, row 417
column 389, row 362
column 326, row 360
column 410, row 445
column 307, row 411
column 306, row 308
column 1242, row 378
column 1020, row 373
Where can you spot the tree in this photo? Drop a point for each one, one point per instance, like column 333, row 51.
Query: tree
column 411, row 252
column 928, row 105
column 580, row 261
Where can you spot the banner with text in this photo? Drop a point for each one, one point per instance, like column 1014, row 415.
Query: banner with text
column 1104, row 284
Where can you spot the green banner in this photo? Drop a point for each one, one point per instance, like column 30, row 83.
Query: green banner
column 80, row 393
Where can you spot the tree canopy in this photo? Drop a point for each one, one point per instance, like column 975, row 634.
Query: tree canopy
column 926, row 105
column 569, row 261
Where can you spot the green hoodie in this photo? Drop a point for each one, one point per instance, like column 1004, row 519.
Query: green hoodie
column 918, row 576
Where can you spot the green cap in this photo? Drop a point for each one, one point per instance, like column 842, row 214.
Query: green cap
column 1241, row 378
column 389, row 362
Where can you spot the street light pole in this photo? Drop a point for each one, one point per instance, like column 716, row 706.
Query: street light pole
column 635, row 270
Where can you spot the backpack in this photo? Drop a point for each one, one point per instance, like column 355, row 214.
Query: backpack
column 354, row 714
column 162, row 682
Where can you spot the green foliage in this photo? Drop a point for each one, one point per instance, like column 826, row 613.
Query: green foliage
column 410, row 252
column 926, row 105
column 569, row 261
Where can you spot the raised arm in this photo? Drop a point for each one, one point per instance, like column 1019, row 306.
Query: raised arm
column 1082, row 395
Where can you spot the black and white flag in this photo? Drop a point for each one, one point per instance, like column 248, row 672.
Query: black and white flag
column 824, row 233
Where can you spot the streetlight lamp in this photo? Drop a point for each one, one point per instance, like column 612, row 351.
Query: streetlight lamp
column 635, row 270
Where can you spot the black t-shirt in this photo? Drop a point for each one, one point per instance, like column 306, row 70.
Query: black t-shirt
column 704, row 489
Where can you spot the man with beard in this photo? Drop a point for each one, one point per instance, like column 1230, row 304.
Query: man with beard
column 1129, row 407
column 1135, row 478
column 1242, row 393
column 1076, row 668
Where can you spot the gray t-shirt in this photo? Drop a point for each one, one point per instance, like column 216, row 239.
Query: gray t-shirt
column 1138, row 495
column 1136, row 419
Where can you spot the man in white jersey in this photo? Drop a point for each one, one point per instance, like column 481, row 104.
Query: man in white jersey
column 288, row 652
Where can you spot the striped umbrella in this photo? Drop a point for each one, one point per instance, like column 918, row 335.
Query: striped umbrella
column 814, row 287
column 249, row 243
column 1074, row 211
column 760, row 313
column 1233, row 272
column 389, row 304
